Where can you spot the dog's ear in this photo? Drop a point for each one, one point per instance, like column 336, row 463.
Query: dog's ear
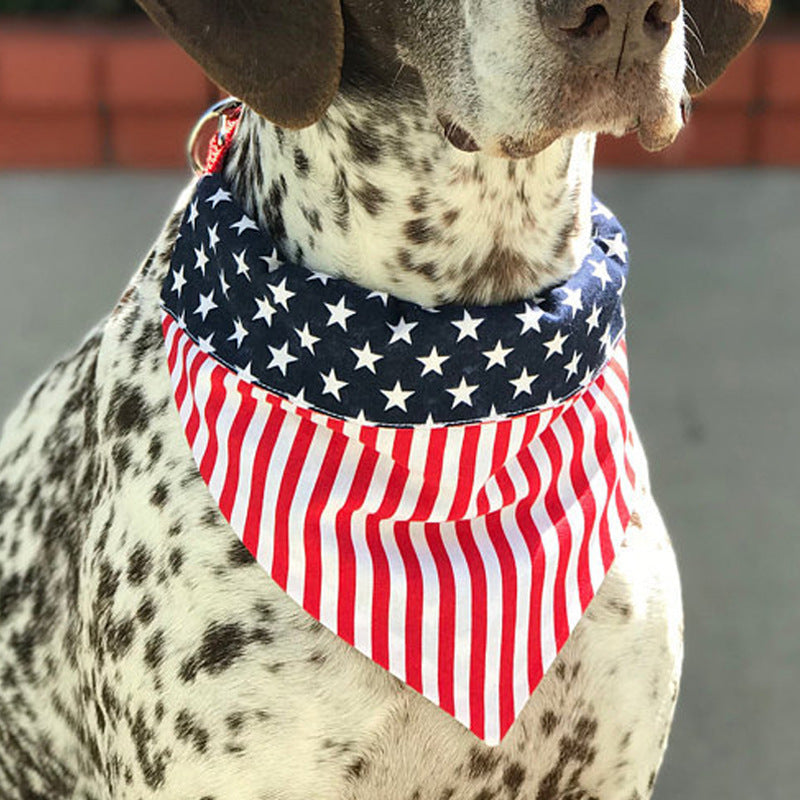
column 283, row 58
column 716, row 30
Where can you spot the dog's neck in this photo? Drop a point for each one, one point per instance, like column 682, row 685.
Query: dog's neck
column 377, row 195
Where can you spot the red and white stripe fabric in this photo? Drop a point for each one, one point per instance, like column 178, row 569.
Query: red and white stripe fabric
column 458, row 558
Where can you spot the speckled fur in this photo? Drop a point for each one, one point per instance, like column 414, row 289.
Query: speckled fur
column 144, row 654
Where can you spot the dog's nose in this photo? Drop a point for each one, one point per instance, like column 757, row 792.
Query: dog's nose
column 611, row 31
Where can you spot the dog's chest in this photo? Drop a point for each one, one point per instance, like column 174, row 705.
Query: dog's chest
column 238, row 674
column 178, row 665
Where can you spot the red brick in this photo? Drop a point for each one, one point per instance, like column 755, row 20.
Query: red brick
column 139, row 140
column 715, row 137
column 779, row 138
column 152, row 73
column 47, row 71
column 782, row 73
column 51, row 139
column 738, row 85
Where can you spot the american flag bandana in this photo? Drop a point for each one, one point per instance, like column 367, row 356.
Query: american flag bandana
column 443, row 488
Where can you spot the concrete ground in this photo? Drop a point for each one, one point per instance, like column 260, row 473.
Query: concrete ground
column 714, row 338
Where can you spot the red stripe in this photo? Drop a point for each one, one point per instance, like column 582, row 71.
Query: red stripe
column 555, row 510
column 447, row 615
column 466, row 472
column 432, row 475
column 508, row 573
column 328, row 471
column 622, row 508
column 183, row 383
column 583, row 492
column 499, row 456
column 532, row 538
column 263, row 457
column 605, row 458
column 381, row 593
column 242, row 420
column 214, row 404
column 477, row 670
column 193, row 425
column 414, row 597
column 347, row 567
column 286, row 493
column 172, row 356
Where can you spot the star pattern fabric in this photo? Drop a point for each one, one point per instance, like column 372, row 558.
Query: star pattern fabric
column 445, row 489
column 353, row 353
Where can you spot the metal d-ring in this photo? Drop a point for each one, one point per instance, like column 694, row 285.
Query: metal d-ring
column 217, row 111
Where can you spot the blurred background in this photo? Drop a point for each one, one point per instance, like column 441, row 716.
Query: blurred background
column 94, row 111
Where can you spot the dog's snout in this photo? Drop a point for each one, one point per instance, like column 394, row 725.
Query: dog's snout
column 610, row 31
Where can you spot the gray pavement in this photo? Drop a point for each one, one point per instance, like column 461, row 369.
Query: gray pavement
column 714, row 340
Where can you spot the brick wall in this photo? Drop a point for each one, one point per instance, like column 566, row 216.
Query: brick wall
column 85, row 95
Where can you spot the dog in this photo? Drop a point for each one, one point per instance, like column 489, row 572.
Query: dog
column 439, row 152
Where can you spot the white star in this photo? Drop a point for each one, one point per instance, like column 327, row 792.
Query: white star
column 179, row 281
column 523, row 383
column 572, row 298
column 218, row 197
column 572, row 366
column 462, row 393
column 204, row 342
column 281, row 358
column 586, row 379
column 332, row 384
column 241, row 264
column 339, row 314
column 224, row 285
column 432, row 362
column 616, row 247
column 623, row 281
column 246, row 374
column 213, row 238
column 497, row 357
column 555, row 345
column 600, row 271
column 605, row 339
column 206, row 304
column 265, row 310
column 193, row 215
column 382, row 296
column 281, row 294
column 602, row 210
column 396, row 397
column 244, row 224
column 493, row 416
column 467, row 326
column 366, row 358
column 307, row 339
column 530, row 318
column 272, row 261
column 593, row 320
column 202, row 259
column 239, row 332
column 401, row 331
column 322, row 277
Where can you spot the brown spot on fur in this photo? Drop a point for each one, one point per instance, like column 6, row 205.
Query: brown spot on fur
column 504, row 276
column 449, row 217
column 420, row 231
column 636, row 520
column 548, row 722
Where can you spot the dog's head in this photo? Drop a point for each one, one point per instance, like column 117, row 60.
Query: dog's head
column 504, row 76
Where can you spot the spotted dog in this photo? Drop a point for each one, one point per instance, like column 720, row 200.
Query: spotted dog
column 439, row 151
